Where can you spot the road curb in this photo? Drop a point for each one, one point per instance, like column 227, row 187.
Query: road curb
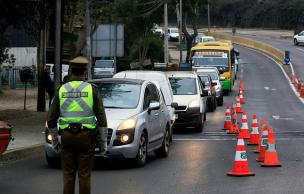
column 22, row 152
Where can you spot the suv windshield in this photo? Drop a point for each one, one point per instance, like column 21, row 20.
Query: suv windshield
column 104, row 64
column 212, row 74
column 119, row 95
column 183, row 85
column 174, row 31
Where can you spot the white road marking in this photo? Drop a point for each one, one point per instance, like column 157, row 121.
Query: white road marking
column 278, row 117
column 300, row 49
column 231, row 139
column 242, row 71
column 266, row 88
column 275, row 42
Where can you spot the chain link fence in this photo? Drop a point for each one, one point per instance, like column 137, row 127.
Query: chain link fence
column 10, row 77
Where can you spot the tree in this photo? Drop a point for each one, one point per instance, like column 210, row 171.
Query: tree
column 138, row 17
column 190, row 8
column 5, row 44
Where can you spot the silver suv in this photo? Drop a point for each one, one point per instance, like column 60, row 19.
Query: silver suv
column 138, row 120
column 191, row 96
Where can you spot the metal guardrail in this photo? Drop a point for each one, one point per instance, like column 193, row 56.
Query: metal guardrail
column 274, row 52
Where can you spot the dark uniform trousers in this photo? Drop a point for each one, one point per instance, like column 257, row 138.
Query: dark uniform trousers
column 77, row 152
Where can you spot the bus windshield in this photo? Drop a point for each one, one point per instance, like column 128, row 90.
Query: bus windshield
column 211, row 58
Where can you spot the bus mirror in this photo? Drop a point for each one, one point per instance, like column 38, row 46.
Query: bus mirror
column 221, row 71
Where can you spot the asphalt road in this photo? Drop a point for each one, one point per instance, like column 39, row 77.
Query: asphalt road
column 197, row 162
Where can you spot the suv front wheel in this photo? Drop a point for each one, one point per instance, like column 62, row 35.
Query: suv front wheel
column 295, row 41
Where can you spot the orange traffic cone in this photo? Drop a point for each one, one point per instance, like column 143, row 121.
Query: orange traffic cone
column 234, row 128
column 271, row 157
column 241, row 97
column 263, row 145
column 238, row 108
column 240, row 167
column 254, row 132
column 299, row 84
column 294, row 81
column 260, row 136
column 227, row 119
column 241, row 85
column 302, row 90
column 244, row 128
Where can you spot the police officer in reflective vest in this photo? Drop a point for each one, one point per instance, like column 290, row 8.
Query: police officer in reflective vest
column 75, row 106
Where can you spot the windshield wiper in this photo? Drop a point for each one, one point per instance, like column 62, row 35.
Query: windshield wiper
column 113, row 107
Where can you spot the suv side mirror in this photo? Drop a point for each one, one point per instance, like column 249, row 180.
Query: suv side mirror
column 154, row 106
column 174, row 104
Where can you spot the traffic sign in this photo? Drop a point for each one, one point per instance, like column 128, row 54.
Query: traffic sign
column 287, row 60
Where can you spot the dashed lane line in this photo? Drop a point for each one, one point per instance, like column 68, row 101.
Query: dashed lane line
column 300, row 49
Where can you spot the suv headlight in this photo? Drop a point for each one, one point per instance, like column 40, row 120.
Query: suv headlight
column 194, row 103
column 130, row 123
column 216, row 87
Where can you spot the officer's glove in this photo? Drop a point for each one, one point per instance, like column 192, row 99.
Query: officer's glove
column 55, row 141
column 103, row 131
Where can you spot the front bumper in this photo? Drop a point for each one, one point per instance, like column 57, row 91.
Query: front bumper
column 188, row 118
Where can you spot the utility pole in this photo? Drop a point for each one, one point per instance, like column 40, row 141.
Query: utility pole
column 57, row 49
column 208, row 18
column 180, row 30
column 88, row 47
column 166, row 60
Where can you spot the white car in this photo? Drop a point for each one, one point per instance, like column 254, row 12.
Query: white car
column 191, row 96
column 206, row 39
column 173, row 34
column 299, row 38
column 138, row 121
column 164, row 84
column 157, row 29
column 64, row 74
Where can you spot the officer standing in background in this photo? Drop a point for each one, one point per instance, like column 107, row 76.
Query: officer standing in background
column 76, row 104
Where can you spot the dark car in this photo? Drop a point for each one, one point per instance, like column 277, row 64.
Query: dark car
column 211, row 98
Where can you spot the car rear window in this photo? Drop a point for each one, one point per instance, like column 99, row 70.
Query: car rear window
column 183, row 85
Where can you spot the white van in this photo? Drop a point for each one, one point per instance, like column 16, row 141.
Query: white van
column 64, row 73
column 164, row 83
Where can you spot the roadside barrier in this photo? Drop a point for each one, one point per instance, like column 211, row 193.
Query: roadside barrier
column 238, row 105
column 263, row 145
column 294, row 81
column 240, row 167
column 234, row 128
column 241, row 96
column 227, row 119
column 274, row 52
column 302, row 90
column 260, row 136
column 254, row 132
column 241, row 85
column 244, row 127
column 299, row 84
column 271, row 156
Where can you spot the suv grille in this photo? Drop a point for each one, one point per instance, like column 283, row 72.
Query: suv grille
column 181, row 108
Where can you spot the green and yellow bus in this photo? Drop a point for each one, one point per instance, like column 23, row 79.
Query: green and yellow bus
column 219, row 54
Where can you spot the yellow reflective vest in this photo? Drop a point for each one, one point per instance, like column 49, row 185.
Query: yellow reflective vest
column 76, row 105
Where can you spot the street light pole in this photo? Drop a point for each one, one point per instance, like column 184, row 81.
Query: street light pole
column 180, row 31
column 208, row 18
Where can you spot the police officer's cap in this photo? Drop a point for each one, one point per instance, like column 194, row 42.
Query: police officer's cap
column 79, row 63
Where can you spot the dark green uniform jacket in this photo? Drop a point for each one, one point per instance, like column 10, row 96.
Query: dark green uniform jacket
column 54, row 112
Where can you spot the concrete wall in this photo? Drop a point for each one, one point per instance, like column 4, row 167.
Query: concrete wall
column 25, row 56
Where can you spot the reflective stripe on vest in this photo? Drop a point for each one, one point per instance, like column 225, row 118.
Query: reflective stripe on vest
column 76, row 105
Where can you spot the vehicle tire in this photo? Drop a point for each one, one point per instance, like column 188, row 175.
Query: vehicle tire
column 226, row 92
column 204, row 117
column 214, row 102
column 54, row 162
column 200, row 126
column 220, row 101
column 163, row 151
column 211, row 106
column 141, row 157
column 295, row 41
column 170, row 39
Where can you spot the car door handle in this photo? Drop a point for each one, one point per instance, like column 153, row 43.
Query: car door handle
column 156, row 114
column 162, row 110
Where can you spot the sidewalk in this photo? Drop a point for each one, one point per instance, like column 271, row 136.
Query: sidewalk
column 28, row 125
